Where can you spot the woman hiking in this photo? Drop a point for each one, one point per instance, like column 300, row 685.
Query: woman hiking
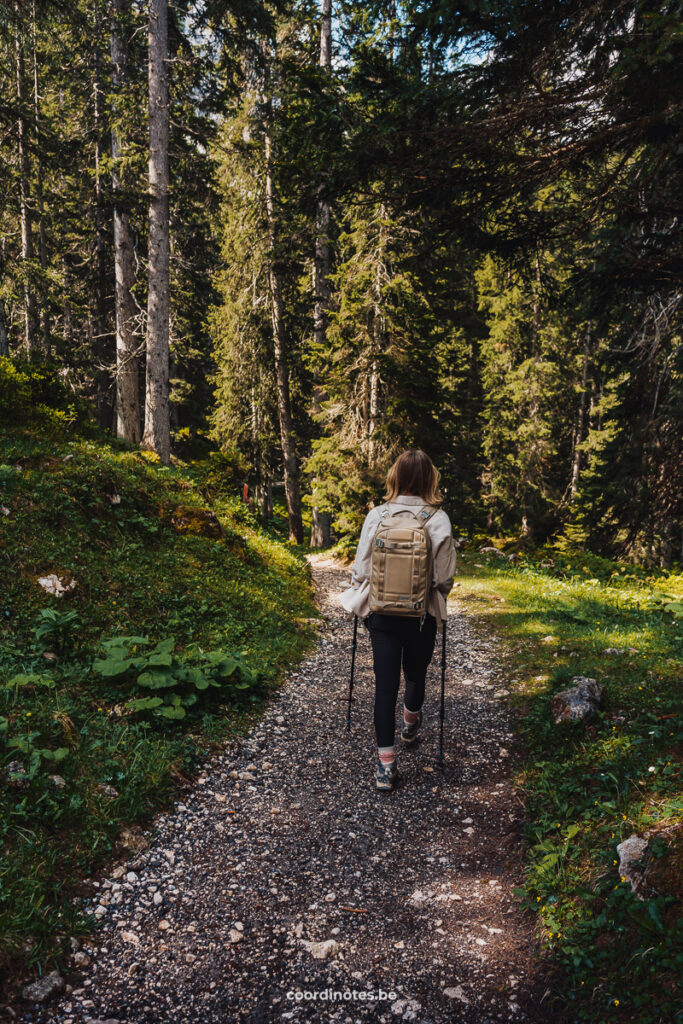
column 406, row 639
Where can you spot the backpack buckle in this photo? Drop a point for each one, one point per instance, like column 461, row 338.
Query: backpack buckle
column 379, row 542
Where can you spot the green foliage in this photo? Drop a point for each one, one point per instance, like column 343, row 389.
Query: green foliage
column 222, row 473
column 182, row 683
column 38, row 393
column 588, row 789
column 99, row 751
column 397, row 369
column 55, row 630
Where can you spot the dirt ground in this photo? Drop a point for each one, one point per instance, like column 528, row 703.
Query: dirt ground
column 284, row 887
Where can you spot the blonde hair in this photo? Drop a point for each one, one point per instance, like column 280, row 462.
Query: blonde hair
column 413, row 472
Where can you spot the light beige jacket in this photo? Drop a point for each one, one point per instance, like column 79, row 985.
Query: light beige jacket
column 355, row 599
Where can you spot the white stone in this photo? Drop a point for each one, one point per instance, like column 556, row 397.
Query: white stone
column 630, row 853
column 322, row 950
column 456, row 993
column 53, row 585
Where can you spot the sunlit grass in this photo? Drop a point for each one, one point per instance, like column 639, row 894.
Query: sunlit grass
column 588, row 788
column 102, row 514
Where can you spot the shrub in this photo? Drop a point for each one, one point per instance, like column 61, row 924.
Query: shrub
column 37, row 393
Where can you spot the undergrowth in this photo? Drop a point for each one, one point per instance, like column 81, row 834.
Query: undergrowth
column 587, row 788
column 174, row 616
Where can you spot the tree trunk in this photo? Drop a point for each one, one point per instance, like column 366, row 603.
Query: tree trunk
column 157, row 435
column 320, row 529
column 377, row 343
column 127, row 381
column 580, row 419
column 44, row 319
column 98, row 302
column 536, row 315
column 287, row 436
column 373, row 411
column 321, row 532
column 30, row 331
column 326, row 36
column 67, row 320
column 4, row 340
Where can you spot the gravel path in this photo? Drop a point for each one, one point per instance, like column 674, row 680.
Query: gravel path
column 284, row 873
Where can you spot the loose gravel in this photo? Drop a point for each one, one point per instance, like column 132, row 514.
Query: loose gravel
column 284, row 887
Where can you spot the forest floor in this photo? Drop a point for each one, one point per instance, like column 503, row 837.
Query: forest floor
column 283, row 843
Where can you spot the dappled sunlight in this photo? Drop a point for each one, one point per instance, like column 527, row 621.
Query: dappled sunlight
column 587, row 788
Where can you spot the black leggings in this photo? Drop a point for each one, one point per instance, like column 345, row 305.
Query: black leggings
column 396, row 640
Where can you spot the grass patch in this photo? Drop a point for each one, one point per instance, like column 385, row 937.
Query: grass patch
column 588, row 788
column 95, row 735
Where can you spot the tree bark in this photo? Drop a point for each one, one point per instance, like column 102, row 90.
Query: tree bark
column 377, row 344
column 580, row 419
column 65, row 283
column 30, row 331
column 320, row 529
column 4, row 340
column 98, row 314
column 157, row 434
column 373, row 412
column 287, row 436
column 42, row 241
column 128, row 423
column 326, row 36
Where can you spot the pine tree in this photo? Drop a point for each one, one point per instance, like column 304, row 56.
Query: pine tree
column 128, row 418
column 157, row 432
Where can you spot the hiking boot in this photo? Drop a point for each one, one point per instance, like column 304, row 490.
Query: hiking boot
column 385, row 775
column 410, row 731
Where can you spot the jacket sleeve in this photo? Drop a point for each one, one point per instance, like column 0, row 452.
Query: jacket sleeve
column 360, row 570
column 444, row 557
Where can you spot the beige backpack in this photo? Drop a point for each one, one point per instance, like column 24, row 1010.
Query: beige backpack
column 401, row 563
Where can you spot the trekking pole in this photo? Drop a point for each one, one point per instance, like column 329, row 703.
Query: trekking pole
column 442, row 713
column 353, row 662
